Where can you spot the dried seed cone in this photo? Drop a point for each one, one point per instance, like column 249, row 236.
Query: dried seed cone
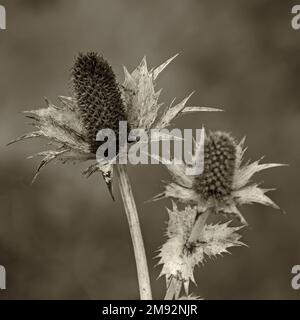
column 219, row 164
column 98, row 95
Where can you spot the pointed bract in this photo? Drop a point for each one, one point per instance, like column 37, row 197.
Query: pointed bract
column 179, row 256
column 141, row 98
column 62, row 126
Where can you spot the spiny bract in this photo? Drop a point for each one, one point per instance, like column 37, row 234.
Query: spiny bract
column 179, row 255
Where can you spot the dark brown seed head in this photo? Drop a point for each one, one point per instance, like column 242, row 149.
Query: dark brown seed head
column 219, row 163
column 97, row 94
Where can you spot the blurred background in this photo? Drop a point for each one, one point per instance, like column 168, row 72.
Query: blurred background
column 64, row 237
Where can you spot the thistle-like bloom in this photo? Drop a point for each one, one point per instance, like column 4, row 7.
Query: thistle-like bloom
column 225, row 182
column 99, row 102
column 189, row 241
column 97, row 95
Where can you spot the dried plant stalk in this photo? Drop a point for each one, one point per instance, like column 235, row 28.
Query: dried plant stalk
column 135, row 232
column 174, row 289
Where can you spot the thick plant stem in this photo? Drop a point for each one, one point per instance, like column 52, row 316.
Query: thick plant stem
column 135, row 232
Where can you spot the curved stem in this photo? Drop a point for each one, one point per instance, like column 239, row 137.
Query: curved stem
column 135, row 232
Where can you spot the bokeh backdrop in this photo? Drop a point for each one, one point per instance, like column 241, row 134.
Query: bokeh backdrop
column 63, row 237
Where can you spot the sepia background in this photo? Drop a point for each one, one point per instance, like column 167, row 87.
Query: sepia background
column 64, row 237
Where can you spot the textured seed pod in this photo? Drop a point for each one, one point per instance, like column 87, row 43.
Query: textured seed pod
column 219, row 163
column 98, row 96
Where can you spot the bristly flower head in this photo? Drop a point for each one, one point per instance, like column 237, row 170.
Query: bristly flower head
column 189, row 241
column 219, row 162
column 98, row 96
column 225, row 182
column 99, row 102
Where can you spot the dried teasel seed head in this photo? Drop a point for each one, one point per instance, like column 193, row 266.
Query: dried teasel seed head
column 219, row 164
column 98, row 95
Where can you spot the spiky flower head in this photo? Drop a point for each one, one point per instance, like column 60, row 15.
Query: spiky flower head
column 219, row 162
column 189, row 241
column 99, row 102
column 225, row 182
column 98, row 96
